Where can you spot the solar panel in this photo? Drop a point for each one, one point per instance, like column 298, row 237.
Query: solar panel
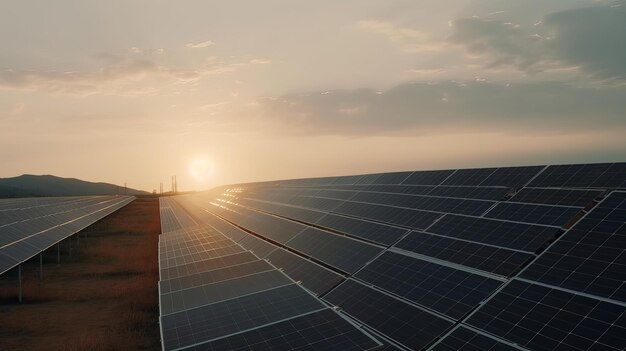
column 376, row 232
column 444, row 289
column 213, row 276
column 220, row 319
column 258, row 246
column 428, row 203
column 598, row 175
column 519, row 236
column 532, row 213
column 514, row 177
column 392, row 178
column 313, row 276
column 186, row 299
column 466, row 339
column 470, row 192
column 428, row 177
column 591, row 256
column 27, row 234
column 542, row 318
column 563, row 197
column 469, row 177
column 341, row 252
column 207, row 265
column 493, row 259
column 407, row 325
column 321, row 330
column 415, row 219
column 474, row 259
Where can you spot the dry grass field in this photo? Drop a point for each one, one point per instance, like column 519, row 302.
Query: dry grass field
column 103, row 295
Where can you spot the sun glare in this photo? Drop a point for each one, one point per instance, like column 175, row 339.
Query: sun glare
column 201, row 168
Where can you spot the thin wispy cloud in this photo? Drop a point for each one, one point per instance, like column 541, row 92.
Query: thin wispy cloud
column 408, row 39
column 200, row 45
column 117, row 75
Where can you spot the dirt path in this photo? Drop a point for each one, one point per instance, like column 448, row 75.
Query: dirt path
column 103, row 297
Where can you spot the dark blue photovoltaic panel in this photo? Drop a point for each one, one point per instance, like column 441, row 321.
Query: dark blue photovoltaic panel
column 470, row 192
column 213, row 276
column 427, row 203
column 465, row 339
column 542, row 318
column 406, row 324
column 591, row 256
column 513, row 177
column 258, row 246
column 235, row 315
column 492, row 259
column 415, row 219
column 338, row 251
column 323, row 330
column 531, row 213
column 377, row 232
column 222, row 290
column 563, row 197
column 470, row 259
column 313, row 277
column 275, row 228
column 598, row 175
column 207, row 265
column 428, row 177
column 519, row 236
column 444, row 289
column 392, row 178
column 469, row 177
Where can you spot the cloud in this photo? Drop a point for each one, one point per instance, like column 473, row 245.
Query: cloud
column 424, row 107
column 504, row 44
column 135, row 50
column 260, row 62
column 204, row 44
column 589, row 38
column 116, row 75
column 409, row 39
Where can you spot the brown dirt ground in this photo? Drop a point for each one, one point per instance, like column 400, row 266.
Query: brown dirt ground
column 102, row 297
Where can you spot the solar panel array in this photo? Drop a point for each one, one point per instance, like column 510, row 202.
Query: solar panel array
column 514, row 258
column 29, row 226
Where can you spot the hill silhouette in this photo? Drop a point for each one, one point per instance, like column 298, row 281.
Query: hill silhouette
column 28, row 185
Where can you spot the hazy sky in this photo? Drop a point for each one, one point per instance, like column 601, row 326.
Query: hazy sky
column 232, row 91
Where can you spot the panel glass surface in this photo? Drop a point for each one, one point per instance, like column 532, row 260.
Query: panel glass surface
column 406, row 324
column 532, row 213
column 541, row 318
column 591, row 256
column 338, row 251
column 519, row 236
column 497, row 260
column 323, row 330
column 231, row 316
column 444, row 289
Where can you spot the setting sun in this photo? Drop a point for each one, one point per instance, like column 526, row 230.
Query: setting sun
column 201, row 168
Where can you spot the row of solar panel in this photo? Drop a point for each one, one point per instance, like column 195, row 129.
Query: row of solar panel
column 326, row 247
column 216, row 295
column 440, row 275
column 601, row 274
column 600, row 175
column 26, row 235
